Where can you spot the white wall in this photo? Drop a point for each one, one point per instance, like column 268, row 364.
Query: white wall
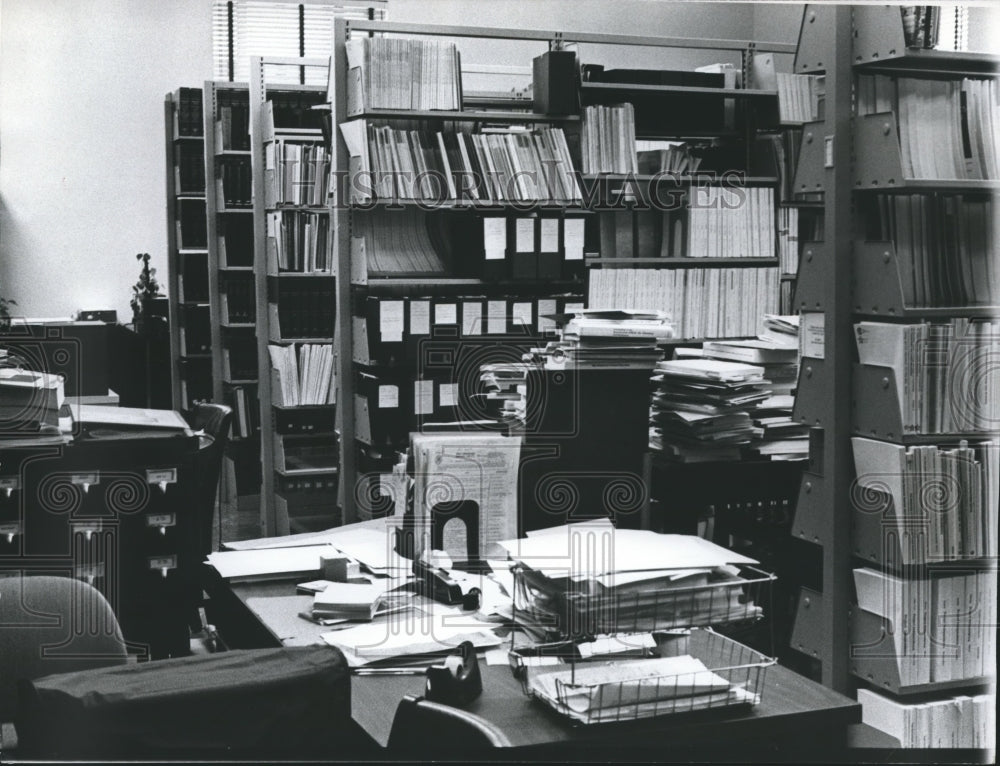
column 82, row 158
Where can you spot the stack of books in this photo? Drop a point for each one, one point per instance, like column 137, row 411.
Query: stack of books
column 625, row 338
column 347, row 601
column 700, row 408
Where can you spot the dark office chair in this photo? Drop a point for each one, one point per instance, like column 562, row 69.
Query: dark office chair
column 215, row 420
column 426, row 729
column 58, row 637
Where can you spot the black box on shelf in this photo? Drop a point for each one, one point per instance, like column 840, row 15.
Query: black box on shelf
column 554, row 80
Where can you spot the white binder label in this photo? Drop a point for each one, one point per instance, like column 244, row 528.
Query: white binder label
column 496, row 317
column 390, row 321
column 550, row 236
column 423, row 397
column 472, row 319
column 446, row 313
column 521, row 314
column 448, row 395
column 420, row 317
column 495, row 238
column 388, row 397
column 525, row 233
column 573, row 239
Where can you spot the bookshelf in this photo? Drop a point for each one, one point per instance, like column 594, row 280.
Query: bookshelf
column 294, row 300
column 188, row 286
column 900, row 494
column 231, row 283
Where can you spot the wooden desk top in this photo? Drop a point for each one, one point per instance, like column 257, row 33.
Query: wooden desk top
column 790, row 704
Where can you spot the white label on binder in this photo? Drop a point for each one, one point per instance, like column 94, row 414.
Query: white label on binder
column 472, row 318
column 496, row 317
column 812, row 326
column 423, row 397
column 448, row 394
column 495, row 238
column 549, row 236
column 446, row 313
column 546, row 306
column 390, row 321
column 521, row 314
column 388, row 397
column 573, row 239
column 525, row 229
column 420, row 317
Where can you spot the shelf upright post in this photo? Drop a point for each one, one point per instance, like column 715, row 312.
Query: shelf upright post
column 341, row 224
column 174, row 259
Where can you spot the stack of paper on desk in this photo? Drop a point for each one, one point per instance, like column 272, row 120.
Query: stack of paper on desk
column 635, row 689
column 270, row 564
column 607, row 580
column 347, row 601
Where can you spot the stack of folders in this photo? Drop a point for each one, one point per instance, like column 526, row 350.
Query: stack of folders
column 305, row 374
column 967, row 477
column 798, row 97
column 608, row 139
column 947, row 128
column 962, row 721
column 626, row 581
column 775, row 434
column 945, row 245
column 626, row 338
column 505, row 391
column 405, row 73
column 942, row 628
column 955, row 393
column 514, row 163
column 700, row 408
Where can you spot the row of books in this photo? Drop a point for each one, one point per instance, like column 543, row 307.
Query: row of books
column 232, row 129
column 246, row 411
column 236, row 240
column 193, row 278
column 295, row 453
column 945, row 371
column 512, row 164
column 947, row 128
column 921, row 25
column 799, row 97
column 945, row 499
column 404, row 73
column 296, row 173
column 192, row 227
column 704, row 303
column 239, row 357
column 653, row 157
column 941, row 628
column 608, row 139
column 190, row 168
column 305, row 309
column 388, row 331
column 187, row 103
column 240, row 300
column 235, row 182
column 300, row 240
column 777, row 154
column 731, row 222
column 958, row 722
column 945, row 245
column 196, row 322
column 305, row 374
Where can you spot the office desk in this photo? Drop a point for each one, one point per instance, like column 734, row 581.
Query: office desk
column 797, row 719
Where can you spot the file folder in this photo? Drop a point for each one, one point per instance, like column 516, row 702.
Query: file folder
column 549, row 259
column 573, row 247
column 379, row 331
column 494, row 248
column 380, row 406
column 524, row 262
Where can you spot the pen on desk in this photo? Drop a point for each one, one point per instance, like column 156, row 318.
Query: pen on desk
column 389, row 671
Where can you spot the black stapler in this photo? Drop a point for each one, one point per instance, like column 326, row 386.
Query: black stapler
column 437, row 583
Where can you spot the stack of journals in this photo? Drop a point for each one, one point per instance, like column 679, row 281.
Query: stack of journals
column 775, row 434
column 395, row 242
column 700, row 408
column 941, row 371
column 514, row 163
column 405, row 73
column 942, row 628
column 945, row 499
column 626, row 338
column 305, row 375
column 954, row 722
column 731, row 222
column 608, row 139
column 945, row 246
column 798, row 97
column 591, row 578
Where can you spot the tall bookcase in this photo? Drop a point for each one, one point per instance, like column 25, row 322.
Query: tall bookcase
column 231, row 284
column 866, row 501
column 188, row 287
column 294, row 297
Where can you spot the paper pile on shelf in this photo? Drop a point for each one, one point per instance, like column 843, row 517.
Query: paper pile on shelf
column 617, row 338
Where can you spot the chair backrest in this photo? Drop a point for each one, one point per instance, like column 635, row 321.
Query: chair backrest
column 52, row 625
column 215, row 420
column 425, row 728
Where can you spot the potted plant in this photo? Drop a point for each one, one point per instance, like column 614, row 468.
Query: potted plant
column 143, row 292
column 5, row 304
